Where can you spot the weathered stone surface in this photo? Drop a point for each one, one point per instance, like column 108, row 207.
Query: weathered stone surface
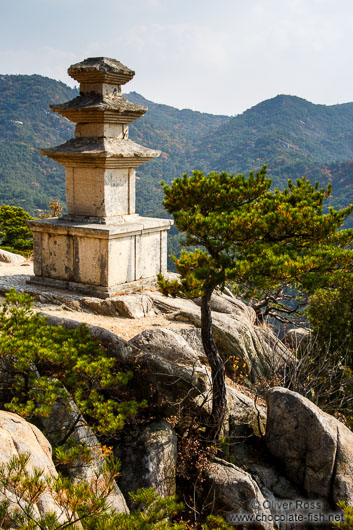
column 237, row 492
column 170, row 305
column 255, row 346
column 124, row 253
column 149, row 459
column 297, row 338
column 101, row 103
column 23, row 437
column 235, row 334
column 66, row 417
column 315, row 449
column 102, row 107
column 110, row 151
column 89, row 195
column 133, row 306
column 98, row 306
column 101, row 69
column 106, row 130
column 269, row 479
column 244, row 417
column 176, row 382
column 223, row 303
column 75, row 253
column 168, row 345
column 10, row 257
column 18, row 437
column 193, row 338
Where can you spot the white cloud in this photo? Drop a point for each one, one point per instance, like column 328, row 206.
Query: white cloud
column 219, row 56
column 179, row 44
column 45, row 61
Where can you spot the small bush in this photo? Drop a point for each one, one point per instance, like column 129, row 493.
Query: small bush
column 14, row 232
column 45, row 364
column 347, row 523
column 330, row 314
column 83, row 502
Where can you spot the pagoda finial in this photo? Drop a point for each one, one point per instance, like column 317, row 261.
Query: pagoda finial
column 101, row 69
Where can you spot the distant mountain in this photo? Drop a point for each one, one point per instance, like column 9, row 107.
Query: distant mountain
column 174, row 132
column 26, row 123
column 340, row 174
column 291, row 135
column 287, row 133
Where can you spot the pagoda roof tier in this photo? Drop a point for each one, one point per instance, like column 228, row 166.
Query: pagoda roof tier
column 100, row 152
column 101, row 70
column 97, row 109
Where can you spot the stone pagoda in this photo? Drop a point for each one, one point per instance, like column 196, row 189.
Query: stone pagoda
column 101, row 247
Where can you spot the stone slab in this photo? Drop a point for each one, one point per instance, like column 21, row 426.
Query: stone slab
column 86, row 108
column 95, row 291
column 137, row 225
column 58, row 293
column 100, row 152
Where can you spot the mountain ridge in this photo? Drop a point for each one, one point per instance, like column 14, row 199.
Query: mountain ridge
column 296, row 129
column 290, row 134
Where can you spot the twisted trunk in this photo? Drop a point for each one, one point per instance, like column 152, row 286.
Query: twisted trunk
column 219, row 400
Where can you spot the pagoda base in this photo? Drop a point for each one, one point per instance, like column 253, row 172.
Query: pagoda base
column 96, row 291
column 99, row 260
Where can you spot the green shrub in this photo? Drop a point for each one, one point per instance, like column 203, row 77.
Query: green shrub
column 22, row 488
column 46, row 364
column 14, row 233
column 330, row 314
column 347, row 523
column 84, row 502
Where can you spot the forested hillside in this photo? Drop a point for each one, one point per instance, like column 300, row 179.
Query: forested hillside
column 174, row 132
column 292, row 136
column 341, row 176
column 28, row 179
column 286, row 132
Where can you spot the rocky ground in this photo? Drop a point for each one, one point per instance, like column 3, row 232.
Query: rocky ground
column 286, row 448
column 16, row 275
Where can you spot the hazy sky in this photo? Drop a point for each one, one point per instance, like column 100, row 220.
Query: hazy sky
column 218, row 56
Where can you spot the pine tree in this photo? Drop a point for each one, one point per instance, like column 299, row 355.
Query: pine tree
column 252, row 236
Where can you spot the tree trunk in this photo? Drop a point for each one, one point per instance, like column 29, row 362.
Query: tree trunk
column 219, row 400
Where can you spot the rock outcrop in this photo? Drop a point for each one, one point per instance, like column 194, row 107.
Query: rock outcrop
column 66, row 418
column 297, row 338
column 149, row 459
column 11, row 257
column 234, row 332
column 177, row 382
column 229, row 305
column 235, row 491
column 171, row 345
column 234, row 326
column 305, row 453
column 19, row 437
column 315, row 449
